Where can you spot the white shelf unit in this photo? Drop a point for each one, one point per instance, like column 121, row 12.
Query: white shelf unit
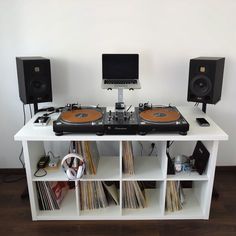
column 195, row 204
column 147, row 168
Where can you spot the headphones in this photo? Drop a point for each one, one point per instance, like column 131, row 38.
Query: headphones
column 73, row 165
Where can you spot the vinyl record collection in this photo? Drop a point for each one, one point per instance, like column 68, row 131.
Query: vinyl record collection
column 89, row 151
column 133, row 192
column 174, row 196
column 133, row 195
column 128, row 158
column 51, row 194
column 97, row 194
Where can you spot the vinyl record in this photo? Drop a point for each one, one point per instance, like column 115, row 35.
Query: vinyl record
column 160, row 115
column 81, row 116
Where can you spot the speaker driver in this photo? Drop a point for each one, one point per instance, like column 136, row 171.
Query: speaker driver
column 38, row 86
column 201, row 86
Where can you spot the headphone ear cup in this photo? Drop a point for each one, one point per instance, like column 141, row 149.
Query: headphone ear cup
column 79, row 172
column 71, row 173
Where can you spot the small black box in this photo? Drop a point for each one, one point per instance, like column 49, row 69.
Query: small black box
column 201, row 156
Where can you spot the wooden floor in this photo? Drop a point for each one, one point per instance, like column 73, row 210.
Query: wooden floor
column 15, row 217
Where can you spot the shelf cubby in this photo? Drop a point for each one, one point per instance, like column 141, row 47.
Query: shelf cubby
column 195, row 201
column 186, row 148
column 154, row 195
column 148, row 164
column 111, row 210
column 68, row 209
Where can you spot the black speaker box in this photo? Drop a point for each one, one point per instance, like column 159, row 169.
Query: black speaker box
column 205, row 79
column 34, row 79
column 200, row 156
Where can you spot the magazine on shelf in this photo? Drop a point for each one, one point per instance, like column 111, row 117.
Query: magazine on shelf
column 51, row 194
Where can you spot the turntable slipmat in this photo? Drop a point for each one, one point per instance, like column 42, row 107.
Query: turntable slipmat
column 160, row 115
column 81, row 115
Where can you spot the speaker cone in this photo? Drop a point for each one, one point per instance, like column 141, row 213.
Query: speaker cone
column 38, row 86
column 201, row 86
column 39, row 90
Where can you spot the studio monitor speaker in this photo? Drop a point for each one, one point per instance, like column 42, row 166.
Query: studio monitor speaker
column 205, row 79
column 34, row 79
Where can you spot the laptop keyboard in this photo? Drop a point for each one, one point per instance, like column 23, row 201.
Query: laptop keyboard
column 120, row 82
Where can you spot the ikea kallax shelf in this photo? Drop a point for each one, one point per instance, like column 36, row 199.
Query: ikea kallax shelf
column 147, row 168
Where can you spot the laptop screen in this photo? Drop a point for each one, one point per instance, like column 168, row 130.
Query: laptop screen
column 120, row 66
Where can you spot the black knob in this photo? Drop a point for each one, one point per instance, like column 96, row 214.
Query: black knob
column 140, row 105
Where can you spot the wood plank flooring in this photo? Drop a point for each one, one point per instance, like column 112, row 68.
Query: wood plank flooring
column 15, row 216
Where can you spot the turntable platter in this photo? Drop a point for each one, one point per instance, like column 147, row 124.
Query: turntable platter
column 160, row 115
column 81, row 116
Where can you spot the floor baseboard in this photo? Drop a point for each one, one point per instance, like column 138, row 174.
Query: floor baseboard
column 226, row 168
column 12, row 171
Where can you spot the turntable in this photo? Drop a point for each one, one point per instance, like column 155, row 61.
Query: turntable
column 80, row 120
column 160, row 119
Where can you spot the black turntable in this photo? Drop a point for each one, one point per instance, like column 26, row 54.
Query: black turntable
column 79, row 119
column 160, row 119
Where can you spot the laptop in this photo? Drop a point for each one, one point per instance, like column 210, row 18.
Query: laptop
column 120, row 71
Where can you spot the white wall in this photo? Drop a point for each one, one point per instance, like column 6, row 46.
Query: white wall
column 74, row 34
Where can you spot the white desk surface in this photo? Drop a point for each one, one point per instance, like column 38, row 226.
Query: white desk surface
column 213, row 132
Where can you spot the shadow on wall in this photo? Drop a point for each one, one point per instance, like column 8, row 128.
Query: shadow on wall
column 60, row 73
column 225, row 119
